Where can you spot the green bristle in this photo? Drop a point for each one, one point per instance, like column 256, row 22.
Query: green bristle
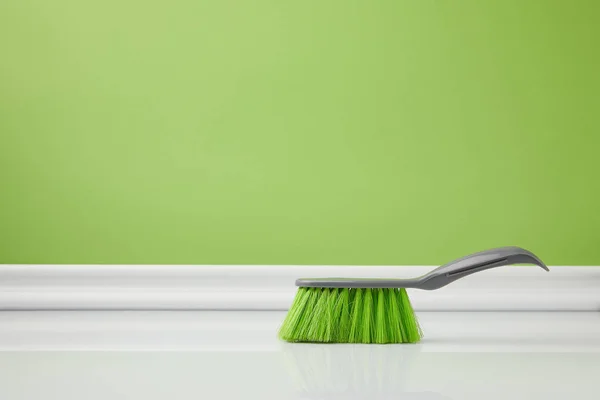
column 312, row 318
column 393, row 316
column 351, row 316
column 304, row 322
column 356, row 317
column 291, row 323
column 382, row 318
column 322, row 314
column 367, row 323
column 331, row 300
column 413, row 330
column 341, row 330
column 403, row 328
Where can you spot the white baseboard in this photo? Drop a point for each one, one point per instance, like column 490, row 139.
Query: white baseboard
column 252, row 287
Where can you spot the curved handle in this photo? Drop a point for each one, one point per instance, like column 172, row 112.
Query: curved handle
column 476, row 262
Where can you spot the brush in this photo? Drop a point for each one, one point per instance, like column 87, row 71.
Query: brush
column 365, row 310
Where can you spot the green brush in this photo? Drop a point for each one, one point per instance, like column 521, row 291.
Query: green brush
column 354, row 310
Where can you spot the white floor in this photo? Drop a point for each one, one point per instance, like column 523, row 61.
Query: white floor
column 236, row 355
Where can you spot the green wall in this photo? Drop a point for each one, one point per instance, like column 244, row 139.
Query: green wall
column 315, row 131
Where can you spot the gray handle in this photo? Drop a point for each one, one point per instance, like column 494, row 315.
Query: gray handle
column 440, row 276
column 476, row 262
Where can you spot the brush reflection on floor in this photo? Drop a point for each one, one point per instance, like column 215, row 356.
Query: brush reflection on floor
column 236, row 355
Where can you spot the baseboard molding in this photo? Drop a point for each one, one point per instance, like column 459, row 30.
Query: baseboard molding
column 252, row 287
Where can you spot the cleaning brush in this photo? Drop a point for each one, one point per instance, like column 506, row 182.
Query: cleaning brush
column 364, row 310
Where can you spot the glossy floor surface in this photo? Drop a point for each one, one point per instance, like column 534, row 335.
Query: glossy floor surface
column 235, row 355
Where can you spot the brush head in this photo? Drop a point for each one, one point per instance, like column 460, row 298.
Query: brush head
column 342, row 315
